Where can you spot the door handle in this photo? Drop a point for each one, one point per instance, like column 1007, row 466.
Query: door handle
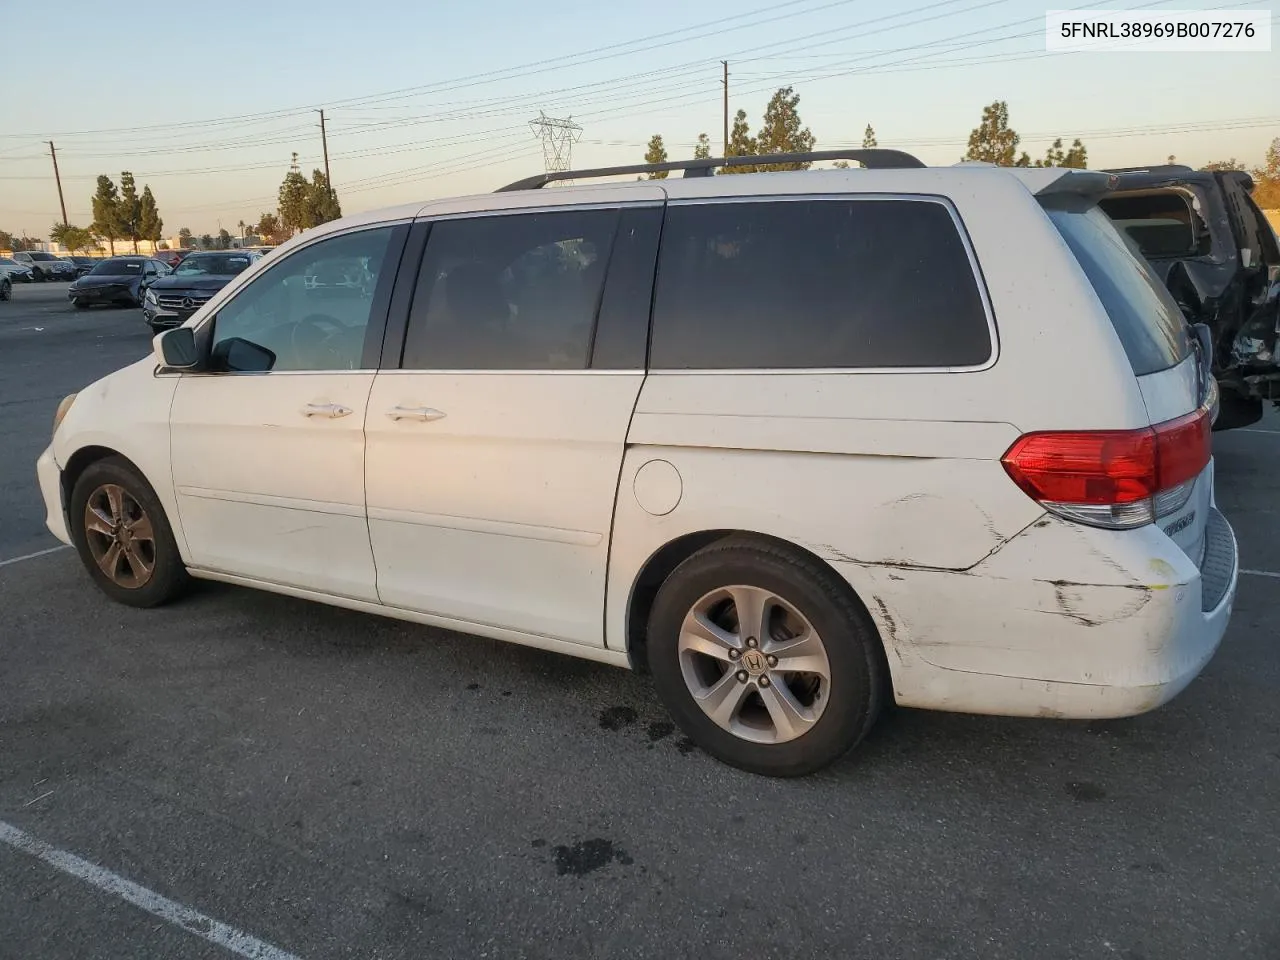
column 330, row 410
column 415, row 413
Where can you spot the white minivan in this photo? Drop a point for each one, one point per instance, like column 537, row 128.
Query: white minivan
column 798, row 443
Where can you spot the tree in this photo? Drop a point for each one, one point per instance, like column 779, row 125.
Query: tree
column 295, row 200
column 1056, row 156
column 702, row 149
column 150, row 226
column 240, row 227
column 656, row 153
column 1266, row 179
column 6, row 240
column 322, row 201
column 206, row 242
column 869, row 138
column 1232, row 164
column 130, row 209
column 270, row 228
column 224, row 239
column 107, row 220
column 993, row 141
column 71, row 237
column 184, row 238
column 782, row 131
column 741, row 142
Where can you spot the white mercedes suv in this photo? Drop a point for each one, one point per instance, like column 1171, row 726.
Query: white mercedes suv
column 798, row 443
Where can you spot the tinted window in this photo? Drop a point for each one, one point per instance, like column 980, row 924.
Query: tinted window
column 118, row 268
column 313, row 307
column 1147, row 319
column 815, row 283
column 217, row 264
column 42, row 256
column 516, row 292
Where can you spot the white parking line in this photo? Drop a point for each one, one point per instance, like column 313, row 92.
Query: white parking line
column 1262, row 573
column 32, row 556
column 190, row 920
column 1274, row 433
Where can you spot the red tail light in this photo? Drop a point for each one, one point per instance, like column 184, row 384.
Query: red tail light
column 1112, row 478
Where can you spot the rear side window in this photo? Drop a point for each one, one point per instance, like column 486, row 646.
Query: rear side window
column 1152, row 329
column 512, row 292
column 784, row 284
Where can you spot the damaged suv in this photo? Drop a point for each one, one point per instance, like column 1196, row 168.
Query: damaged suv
column 1206, row 239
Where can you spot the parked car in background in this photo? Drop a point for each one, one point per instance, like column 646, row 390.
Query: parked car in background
column 172, row 299
column 719, row 428
column 45, row 266
column 21, row 272
column 173, row 257
column 117, row 280
column 1214, row 250
column 84, row 264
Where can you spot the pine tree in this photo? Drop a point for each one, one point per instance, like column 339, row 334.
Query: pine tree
column 106, row 212
column 782, row 131
column 656, row 153
column 741, row 143
column 295, row 200
column 321, row 200
column 130, row 209
column 702, row 149
column 869, row 138
column 993, row 141
column 150, row 226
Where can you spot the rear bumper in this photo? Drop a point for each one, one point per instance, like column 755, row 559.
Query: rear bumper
column 1121, row 623
column 49, row 475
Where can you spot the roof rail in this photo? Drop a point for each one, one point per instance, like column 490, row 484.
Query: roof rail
column 874, row 159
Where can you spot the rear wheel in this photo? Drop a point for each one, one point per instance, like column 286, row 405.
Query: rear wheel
column 123, row 536
column 765, row 658
column 6, row 288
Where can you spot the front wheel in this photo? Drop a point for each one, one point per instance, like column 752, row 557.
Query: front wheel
column 79, row 304
column 6, row 288
column 37, row 275
column 765, row 657
column 123, row 536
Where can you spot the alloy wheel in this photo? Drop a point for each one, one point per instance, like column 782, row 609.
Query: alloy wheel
column 754, row 664
column 120, row 536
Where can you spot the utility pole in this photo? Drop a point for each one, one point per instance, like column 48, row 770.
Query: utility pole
column 726, row 107
column 324, row 142
column 57, row 177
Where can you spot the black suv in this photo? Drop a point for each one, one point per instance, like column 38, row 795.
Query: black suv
column 1207, row 240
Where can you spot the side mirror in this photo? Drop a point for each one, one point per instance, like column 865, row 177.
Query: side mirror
column 176, row 349
column 237, row 355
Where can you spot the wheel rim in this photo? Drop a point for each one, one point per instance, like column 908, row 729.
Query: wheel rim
column 120, row 536
column 754, row 664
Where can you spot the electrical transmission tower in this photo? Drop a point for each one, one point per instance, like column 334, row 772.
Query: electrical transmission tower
column 558, row 138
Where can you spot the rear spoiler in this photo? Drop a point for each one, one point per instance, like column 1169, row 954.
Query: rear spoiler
column 1077, row 190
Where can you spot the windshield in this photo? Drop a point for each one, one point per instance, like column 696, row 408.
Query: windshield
column 217, row 264
column 117, row 268
column 1148, row 321
column 42, row 256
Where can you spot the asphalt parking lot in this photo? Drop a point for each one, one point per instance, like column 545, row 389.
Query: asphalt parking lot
column 321, row 783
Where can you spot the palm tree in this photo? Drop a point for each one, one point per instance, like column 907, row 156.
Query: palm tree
column 241, row 225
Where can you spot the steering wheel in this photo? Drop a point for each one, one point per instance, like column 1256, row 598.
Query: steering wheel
column 313, row 335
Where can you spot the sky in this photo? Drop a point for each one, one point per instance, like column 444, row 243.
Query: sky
column 206, row 104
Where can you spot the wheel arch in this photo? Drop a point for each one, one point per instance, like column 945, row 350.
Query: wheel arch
column 663, row 562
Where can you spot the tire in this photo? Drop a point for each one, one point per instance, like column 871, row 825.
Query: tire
column 167, row 578
column 6, row 289
column 79, row 304
column 835, row 712
column 37, row 275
